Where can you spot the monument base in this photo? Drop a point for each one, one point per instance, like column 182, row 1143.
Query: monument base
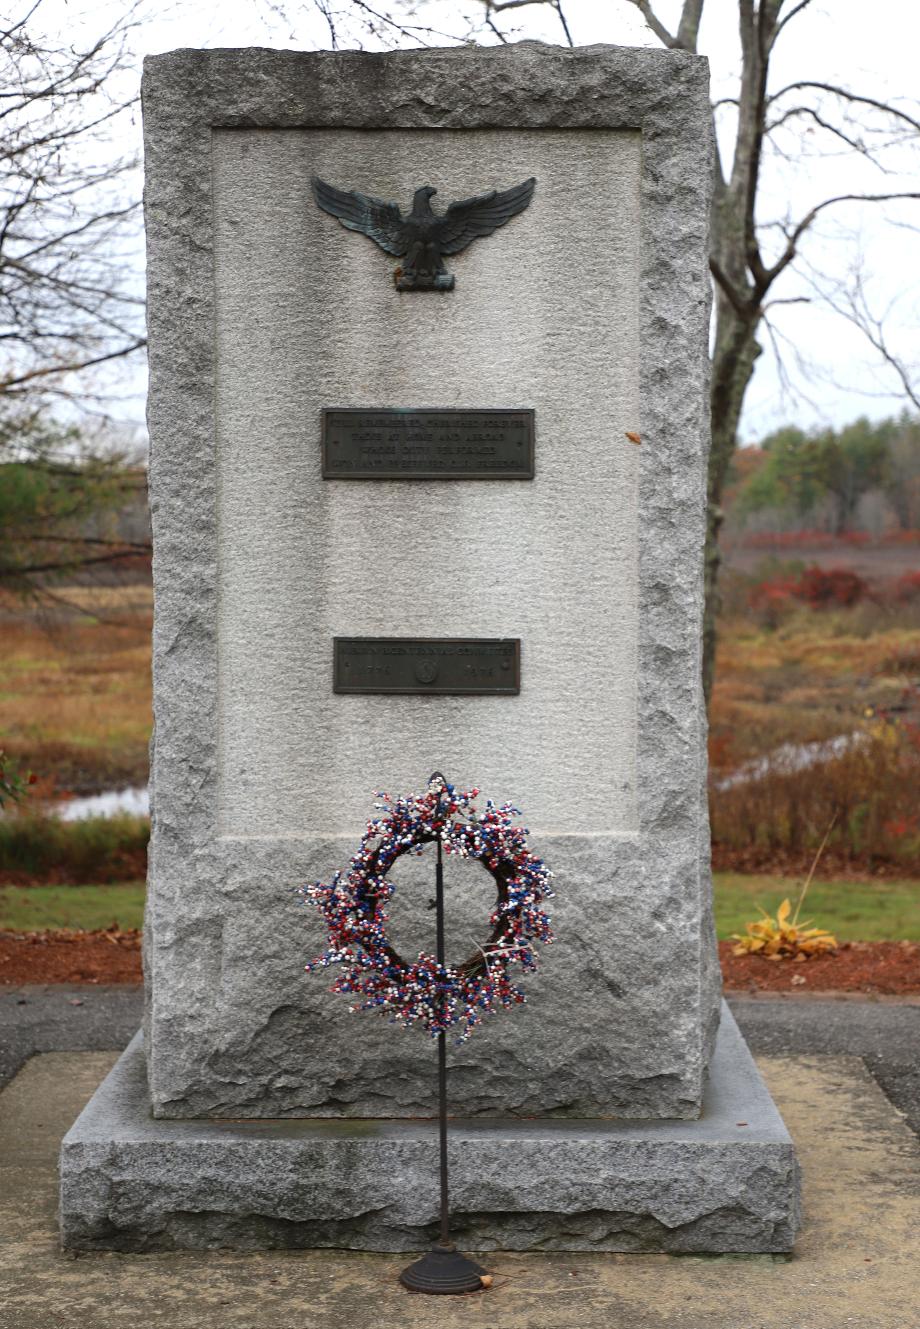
column 726, row 1182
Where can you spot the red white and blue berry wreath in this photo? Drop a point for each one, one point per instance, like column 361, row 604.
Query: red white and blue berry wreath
column 354, row 906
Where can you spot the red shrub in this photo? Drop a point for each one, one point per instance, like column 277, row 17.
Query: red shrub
column 907, row 587
column 825, row 588
column 820, row 588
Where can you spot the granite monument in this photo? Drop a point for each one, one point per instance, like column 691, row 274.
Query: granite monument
column 255, row 1109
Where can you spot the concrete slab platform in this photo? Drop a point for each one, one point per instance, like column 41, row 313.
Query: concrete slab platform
column 856, row 1260
column 726, row 1182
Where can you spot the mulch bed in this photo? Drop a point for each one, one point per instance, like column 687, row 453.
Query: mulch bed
column 109, row 956
column 114, row 956
column 889, row 968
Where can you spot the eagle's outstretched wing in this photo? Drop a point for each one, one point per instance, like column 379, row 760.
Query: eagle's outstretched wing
column 464, row 222
column 383, row 222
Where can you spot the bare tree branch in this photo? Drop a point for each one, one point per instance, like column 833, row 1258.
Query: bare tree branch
column 796, row 9
column 855, row 144
column 66, row 225
column 799, row 230
column 58, row 565
column 688, row 29
column 324, row 9
column 565, row 27
column 854, row 306
column 654, row 23
column 736, row 299
column 14, row 382
column 497, row 6
column 859, row 99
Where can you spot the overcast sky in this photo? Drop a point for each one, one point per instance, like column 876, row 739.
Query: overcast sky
column 829, row 373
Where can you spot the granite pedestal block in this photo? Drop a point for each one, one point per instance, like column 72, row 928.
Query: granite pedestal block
column 725, row 1182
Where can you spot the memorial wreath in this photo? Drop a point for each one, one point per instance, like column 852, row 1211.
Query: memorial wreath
column 354, row 906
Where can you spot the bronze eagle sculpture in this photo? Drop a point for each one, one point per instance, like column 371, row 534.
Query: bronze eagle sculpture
column 424, row 237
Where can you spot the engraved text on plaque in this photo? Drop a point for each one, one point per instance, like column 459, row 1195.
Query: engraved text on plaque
column 385, row 444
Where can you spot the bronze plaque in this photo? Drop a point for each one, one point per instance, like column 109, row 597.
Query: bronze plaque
column 416, row 444
column 429, row 666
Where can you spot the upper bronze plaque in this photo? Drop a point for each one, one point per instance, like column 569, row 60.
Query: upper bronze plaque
column 428, row 445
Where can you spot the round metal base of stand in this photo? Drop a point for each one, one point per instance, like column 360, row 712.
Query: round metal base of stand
column 443, row 1270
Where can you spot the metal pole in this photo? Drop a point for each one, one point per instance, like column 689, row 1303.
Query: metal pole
column 443, row 1269
column 442, row 1055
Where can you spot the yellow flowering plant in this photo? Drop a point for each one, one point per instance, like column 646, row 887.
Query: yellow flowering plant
column 783, row 937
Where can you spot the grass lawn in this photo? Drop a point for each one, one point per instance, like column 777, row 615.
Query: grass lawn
column 33, row 908
column 852, row 910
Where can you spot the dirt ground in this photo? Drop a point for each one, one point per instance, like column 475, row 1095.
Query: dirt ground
column 110, row 956
column 114, row 956
column 878, row 967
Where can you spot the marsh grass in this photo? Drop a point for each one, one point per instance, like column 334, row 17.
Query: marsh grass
column 814, row 679
column 75, row 687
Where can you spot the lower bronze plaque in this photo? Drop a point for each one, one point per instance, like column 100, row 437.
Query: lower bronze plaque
column 455, row 666
column 415, row 444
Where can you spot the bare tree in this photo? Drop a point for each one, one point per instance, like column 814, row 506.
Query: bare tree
column 68, row 205
column 69, row 302
column 747, row 258
column 749, row 254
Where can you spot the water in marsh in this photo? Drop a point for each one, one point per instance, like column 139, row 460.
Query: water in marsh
column 136, row 801
column 791, row 757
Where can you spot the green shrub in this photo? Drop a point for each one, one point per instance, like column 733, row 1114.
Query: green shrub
column 95, row 849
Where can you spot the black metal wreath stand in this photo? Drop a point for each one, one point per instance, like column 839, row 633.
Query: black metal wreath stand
column 443, row 1269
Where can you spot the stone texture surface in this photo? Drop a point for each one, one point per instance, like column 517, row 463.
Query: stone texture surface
column 545, row 315
column 727, row 1182
column 624, row 1011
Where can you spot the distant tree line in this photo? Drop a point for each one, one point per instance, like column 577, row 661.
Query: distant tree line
column 864, row 476
column 72, row 502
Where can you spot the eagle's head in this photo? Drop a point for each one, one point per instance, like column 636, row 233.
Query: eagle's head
column 420, row 202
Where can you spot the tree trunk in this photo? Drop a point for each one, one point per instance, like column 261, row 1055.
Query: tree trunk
column 734, row 354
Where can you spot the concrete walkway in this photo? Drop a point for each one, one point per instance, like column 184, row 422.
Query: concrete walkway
column 857, row 1262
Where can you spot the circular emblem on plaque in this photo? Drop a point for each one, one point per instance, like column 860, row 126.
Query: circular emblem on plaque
column 426, row 671
column 354, row 905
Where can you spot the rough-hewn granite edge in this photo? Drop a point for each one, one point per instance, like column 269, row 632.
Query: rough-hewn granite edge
column 665, row 95
column 129, row 1182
